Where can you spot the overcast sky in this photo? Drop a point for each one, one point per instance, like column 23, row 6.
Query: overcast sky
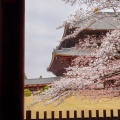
column 42, row 17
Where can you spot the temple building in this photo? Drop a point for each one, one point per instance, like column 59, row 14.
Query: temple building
column 63, row 54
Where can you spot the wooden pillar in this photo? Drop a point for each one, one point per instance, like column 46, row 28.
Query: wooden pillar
column 38, row 88
column 11, row 59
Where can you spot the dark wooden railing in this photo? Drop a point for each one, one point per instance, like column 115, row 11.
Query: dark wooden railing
column 97, row 117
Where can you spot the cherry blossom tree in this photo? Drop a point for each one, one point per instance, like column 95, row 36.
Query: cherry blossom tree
column 95, row 76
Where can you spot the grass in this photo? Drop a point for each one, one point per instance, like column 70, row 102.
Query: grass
column 72, row 104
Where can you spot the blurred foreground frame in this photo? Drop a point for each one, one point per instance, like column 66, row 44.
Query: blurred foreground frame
column 12, row 59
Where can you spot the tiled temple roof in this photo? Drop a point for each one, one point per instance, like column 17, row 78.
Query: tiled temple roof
column 72, row 52
column 106, row 22
column 103, row 22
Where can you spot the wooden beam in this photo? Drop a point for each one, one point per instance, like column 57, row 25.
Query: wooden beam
column 11, row 59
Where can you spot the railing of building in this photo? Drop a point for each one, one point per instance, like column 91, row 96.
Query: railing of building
column 90, row 117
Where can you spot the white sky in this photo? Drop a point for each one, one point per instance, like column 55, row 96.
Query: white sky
column 42, row 17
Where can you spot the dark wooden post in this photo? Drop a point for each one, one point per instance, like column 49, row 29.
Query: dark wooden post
column 90, row 115
column 67, row 115
column 37, row 115
column 118, row 114
column 104, row 114
column 75, row 115
column 111, row 115
column 11, row 59
column 60, row 115
column 38, row 88
column 97, row 114
column 28, row 115
column 52, row 115
column 45, row 115
column 82, row 115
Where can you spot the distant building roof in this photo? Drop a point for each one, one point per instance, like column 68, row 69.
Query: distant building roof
column 36, row 81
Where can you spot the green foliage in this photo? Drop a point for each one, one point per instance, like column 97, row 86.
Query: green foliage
column 27, row 92
column 46, row 87
column 41, row 90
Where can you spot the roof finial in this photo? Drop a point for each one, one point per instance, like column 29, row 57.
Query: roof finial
column 40, row 76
